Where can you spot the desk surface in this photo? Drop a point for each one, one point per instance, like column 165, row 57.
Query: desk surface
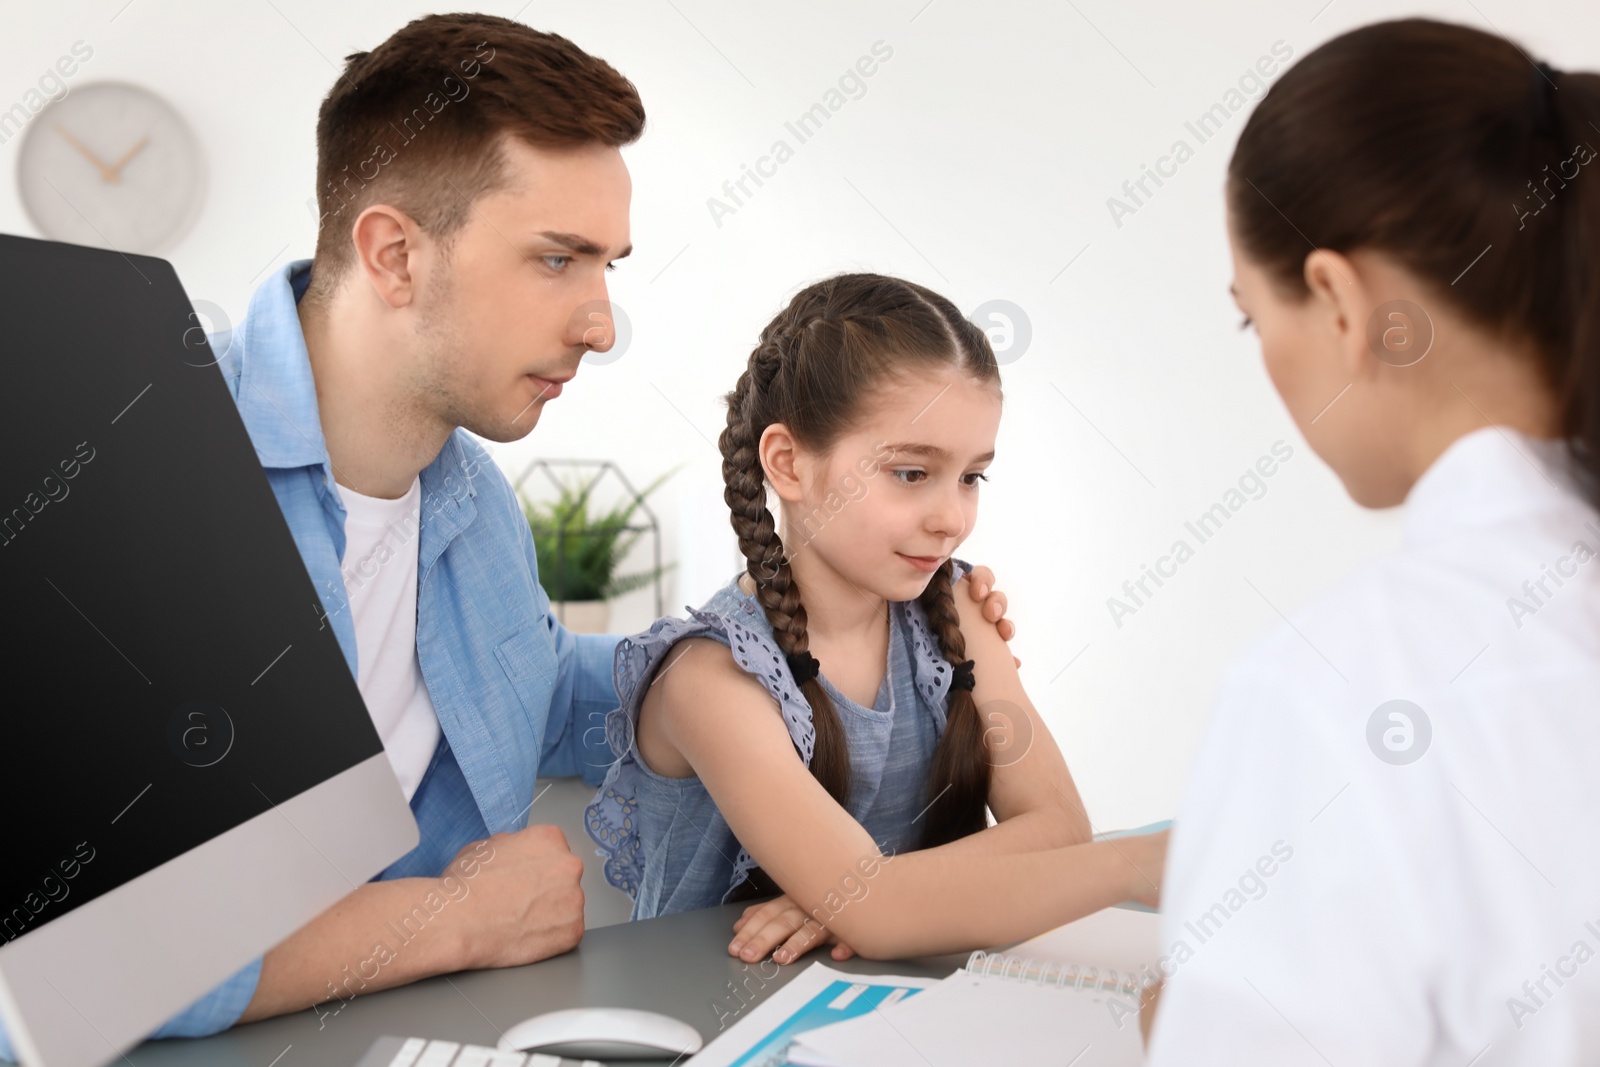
column 677, row 965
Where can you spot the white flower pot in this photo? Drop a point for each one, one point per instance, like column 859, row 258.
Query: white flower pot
column 585, row 616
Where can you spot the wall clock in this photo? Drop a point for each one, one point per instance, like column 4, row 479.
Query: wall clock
column 112, row 165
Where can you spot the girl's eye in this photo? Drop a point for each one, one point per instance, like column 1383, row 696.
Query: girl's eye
column 1247, row 323
column 912, row 477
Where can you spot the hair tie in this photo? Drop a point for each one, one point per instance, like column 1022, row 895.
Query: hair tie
column 961, row 676
column 803, row 665
column 1546, row 119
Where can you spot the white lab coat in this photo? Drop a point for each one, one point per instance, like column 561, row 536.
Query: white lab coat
column 1346, row 886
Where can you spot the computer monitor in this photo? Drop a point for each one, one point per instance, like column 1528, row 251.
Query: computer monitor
column 189, row 773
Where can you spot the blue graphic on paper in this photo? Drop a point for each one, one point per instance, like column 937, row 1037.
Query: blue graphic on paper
column 836, row 1003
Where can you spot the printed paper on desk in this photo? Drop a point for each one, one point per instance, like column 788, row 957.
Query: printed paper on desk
column 1067, row 996
column 818, row 996
column 980, row 1019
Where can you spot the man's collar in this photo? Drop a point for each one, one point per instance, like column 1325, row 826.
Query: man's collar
column 277, row 394
column 278, row 399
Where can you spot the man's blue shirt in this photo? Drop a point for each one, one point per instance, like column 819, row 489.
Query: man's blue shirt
column 517, row 695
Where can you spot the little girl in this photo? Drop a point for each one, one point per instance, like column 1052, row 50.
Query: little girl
column 833, row 724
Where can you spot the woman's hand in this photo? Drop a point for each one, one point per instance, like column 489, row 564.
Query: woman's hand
column 1147, row 861
column 780, row 924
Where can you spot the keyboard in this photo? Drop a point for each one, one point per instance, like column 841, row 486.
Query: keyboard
column 420, row 1052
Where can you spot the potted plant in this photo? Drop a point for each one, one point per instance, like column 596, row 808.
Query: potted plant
column 578, row 552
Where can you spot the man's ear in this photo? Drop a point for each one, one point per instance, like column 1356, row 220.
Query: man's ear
column 386, row 241
column 780, row 461
column 1341, row 303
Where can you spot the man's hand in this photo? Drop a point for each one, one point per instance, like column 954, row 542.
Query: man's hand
column 780, row 927
column 980, row 583
column 525, row 903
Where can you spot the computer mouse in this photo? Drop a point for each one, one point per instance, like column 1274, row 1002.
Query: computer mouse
column 603, row 1033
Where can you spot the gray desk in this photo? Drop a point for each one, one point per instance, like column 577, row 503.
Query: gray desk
column 678, row 965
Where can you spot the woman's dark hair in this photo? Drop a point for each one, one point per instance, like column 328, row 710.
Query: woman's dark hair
column 813, row 371
column 1451, row 151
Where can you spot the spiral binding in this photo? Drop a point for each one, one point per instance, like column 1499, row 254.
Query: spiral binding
column 1061, row 975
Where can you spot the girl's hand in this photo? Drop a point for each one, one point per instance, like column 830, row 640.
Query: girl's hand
column 980, row 583
column 780, row 924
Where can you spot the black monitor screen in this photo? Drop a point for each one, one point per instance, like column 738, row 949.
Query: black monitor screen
column 163, row 630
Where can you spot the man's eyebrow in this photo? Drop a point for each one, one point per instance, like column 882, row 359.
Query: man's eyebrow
column 933, row 452
column 581, row 244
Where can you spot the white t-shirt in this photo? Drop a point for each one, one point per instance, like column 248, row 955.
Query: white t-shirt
column 380, row 580
column 1327, row 901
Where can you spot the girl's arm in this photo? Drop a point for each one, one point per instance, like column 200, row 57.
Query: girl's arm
column 720, row 722
column 1031, row 792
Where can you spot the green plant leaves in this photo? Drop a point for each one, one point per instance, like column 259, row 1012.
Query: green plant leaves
column 578, row 552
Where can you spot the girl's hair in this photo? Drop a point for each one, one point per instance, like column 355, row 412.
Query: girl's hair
column 813, row 370
column 1438, row 144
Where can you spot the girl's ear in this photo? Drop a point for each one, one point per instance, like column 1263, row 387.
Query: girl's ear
column 780, row 460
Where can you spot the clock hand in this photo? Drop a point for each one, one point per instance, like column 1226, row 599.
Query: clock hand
column 105, row 172
column 116, row 168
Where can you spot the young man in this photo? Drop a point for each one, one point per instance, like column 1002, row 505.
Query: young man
column 472, row 198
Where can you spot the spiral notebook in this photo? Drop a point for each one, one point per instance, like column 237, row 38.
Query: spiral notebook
column 1069, row 996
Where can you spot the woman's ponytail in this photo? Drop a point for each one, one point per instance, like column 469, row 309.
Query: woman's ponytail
column 1576, row 102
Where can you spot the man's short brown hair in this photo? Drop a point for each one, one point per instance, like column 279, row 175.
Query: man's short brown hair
column 418, row 121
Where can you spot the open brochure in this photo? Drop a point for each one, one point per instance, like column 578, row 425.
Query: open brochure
column 1068, row 996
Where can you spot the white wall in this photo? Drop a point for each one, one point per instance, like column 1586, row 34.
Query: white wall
column 979, row 162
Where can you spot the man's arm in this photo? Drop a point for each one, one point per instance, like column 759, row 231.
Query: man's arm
column 492, row 907
column 575, row 732
column 334, row 955
column 583, row 691
column 510, row 900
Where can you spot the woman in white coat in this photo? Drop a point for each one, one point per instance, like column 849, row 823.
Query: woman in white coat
column 1387, row 850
